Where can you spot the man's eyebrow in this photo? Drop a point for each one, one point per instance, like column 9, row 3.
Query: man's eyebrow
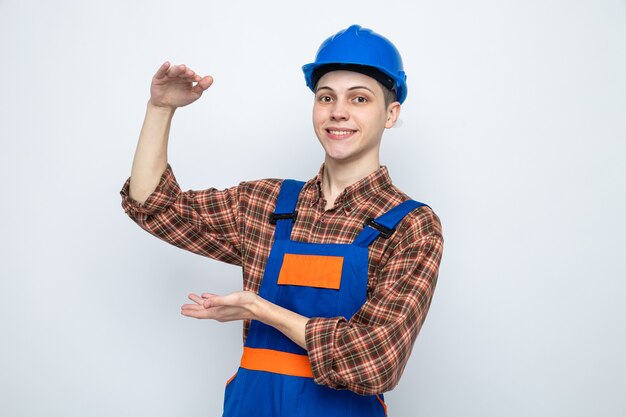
column 323, row 88
column 356, row 87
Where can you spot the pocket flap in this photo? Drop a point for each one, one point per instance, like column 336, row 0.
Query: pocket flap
column 311, row 271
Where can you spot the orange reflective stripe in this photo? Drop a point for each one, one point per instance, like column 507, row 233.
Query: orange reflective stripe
column 382, row 402
column 276, row 362
column 231, row 379
column 311, row 271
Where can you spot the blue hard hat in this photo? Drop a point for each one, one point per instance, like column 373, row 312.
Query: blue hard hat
column 356, row 47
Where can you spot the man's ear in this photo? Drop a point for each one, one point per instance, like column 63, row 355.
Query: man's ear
column 393, row 112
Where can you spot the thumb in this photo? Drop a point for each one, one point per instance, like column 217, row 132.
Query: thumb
column 202, row 84
column 210, row 300
column 208, row 295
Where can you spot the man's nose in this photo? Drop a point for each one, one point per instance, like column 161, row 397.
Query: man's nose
column 339, row 112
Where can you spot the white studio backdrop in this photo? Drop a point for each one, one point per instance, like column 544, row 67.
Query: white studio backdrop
column 514, row 131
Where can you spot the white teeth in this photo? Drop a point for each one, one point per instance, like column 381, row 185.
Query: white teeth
column 340, row 132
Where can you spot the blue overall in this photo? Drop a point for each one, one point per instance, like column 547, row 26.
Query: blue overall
column 266, row 390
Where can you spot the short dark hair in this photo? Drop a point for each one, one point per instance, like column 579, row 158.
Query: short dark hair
column 390, row 95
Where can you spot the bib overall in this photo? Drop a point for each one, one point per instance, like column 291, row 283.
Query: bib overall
column 315, row 280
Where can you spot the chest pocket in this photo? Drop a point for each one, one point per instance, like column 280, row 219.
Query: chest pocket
column 317, row 271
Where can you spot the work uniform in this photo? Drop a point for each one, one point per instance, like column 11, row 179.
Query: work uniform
column 314, row 280
column 364, row 353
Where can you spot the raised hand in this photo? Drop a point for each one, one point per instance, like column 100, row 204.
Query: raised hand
column 177, row 86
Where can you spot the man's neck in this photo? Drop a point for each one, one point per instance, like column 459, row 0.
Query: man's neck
column 340, row 175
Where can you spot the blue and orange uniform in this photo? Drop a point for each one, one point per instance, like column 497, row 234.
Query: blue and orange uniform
column 314, row 280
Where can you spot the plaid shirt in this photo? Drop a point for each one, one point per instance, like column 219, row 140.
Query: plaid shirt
column 366, row 354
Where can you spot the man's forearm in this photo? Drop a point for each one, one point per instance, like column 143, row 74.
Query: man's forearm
column 289, row 323
column 151, row 154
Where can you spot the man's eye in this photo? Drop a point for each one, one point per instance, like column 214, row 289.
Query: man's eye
column 325, row 99
column 360, row 99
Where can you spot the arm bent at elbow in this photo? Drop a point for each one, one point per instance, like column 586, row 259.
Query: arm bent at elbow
column 368, row 354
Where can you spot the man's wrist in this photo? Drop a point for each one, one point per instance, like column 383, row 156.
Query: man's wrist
column 160, row 111
column 262, row 310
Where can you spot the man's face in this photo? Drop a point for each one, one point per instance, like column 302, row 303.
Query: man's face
column 349, row 116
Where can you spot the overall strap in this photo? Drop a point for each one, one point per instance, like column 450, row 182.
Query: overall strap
column 285, row 212
column 384, row 225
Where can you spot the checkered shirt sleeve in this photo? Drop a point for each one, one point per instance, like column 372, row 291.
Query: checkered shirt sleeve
column 368, row 353
column 206, row 222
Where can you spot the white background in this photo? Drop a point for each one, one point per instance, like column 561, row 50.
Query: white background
column 514, row 131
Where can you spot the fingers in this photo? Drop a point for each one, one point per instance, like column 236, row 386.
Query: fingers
column 176, row 70
column 192, row 307
column 202, row 302
column 182, row 71
column 213, row 300
column 193, row 310
column 197, row 310
column 202, row 83
column 162, row 71
column 234, row 306
column 193, row 297
column 208, row 295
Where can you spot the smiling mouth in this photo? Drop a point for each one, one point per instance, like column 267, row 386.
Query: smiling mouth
column 339, row 133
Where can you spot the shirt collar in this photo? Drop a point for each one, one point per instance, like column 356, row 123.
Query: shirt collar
column 354, row 194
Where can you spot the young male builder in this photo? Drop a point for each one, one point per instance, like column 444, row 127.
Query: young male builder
column 338, row 272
